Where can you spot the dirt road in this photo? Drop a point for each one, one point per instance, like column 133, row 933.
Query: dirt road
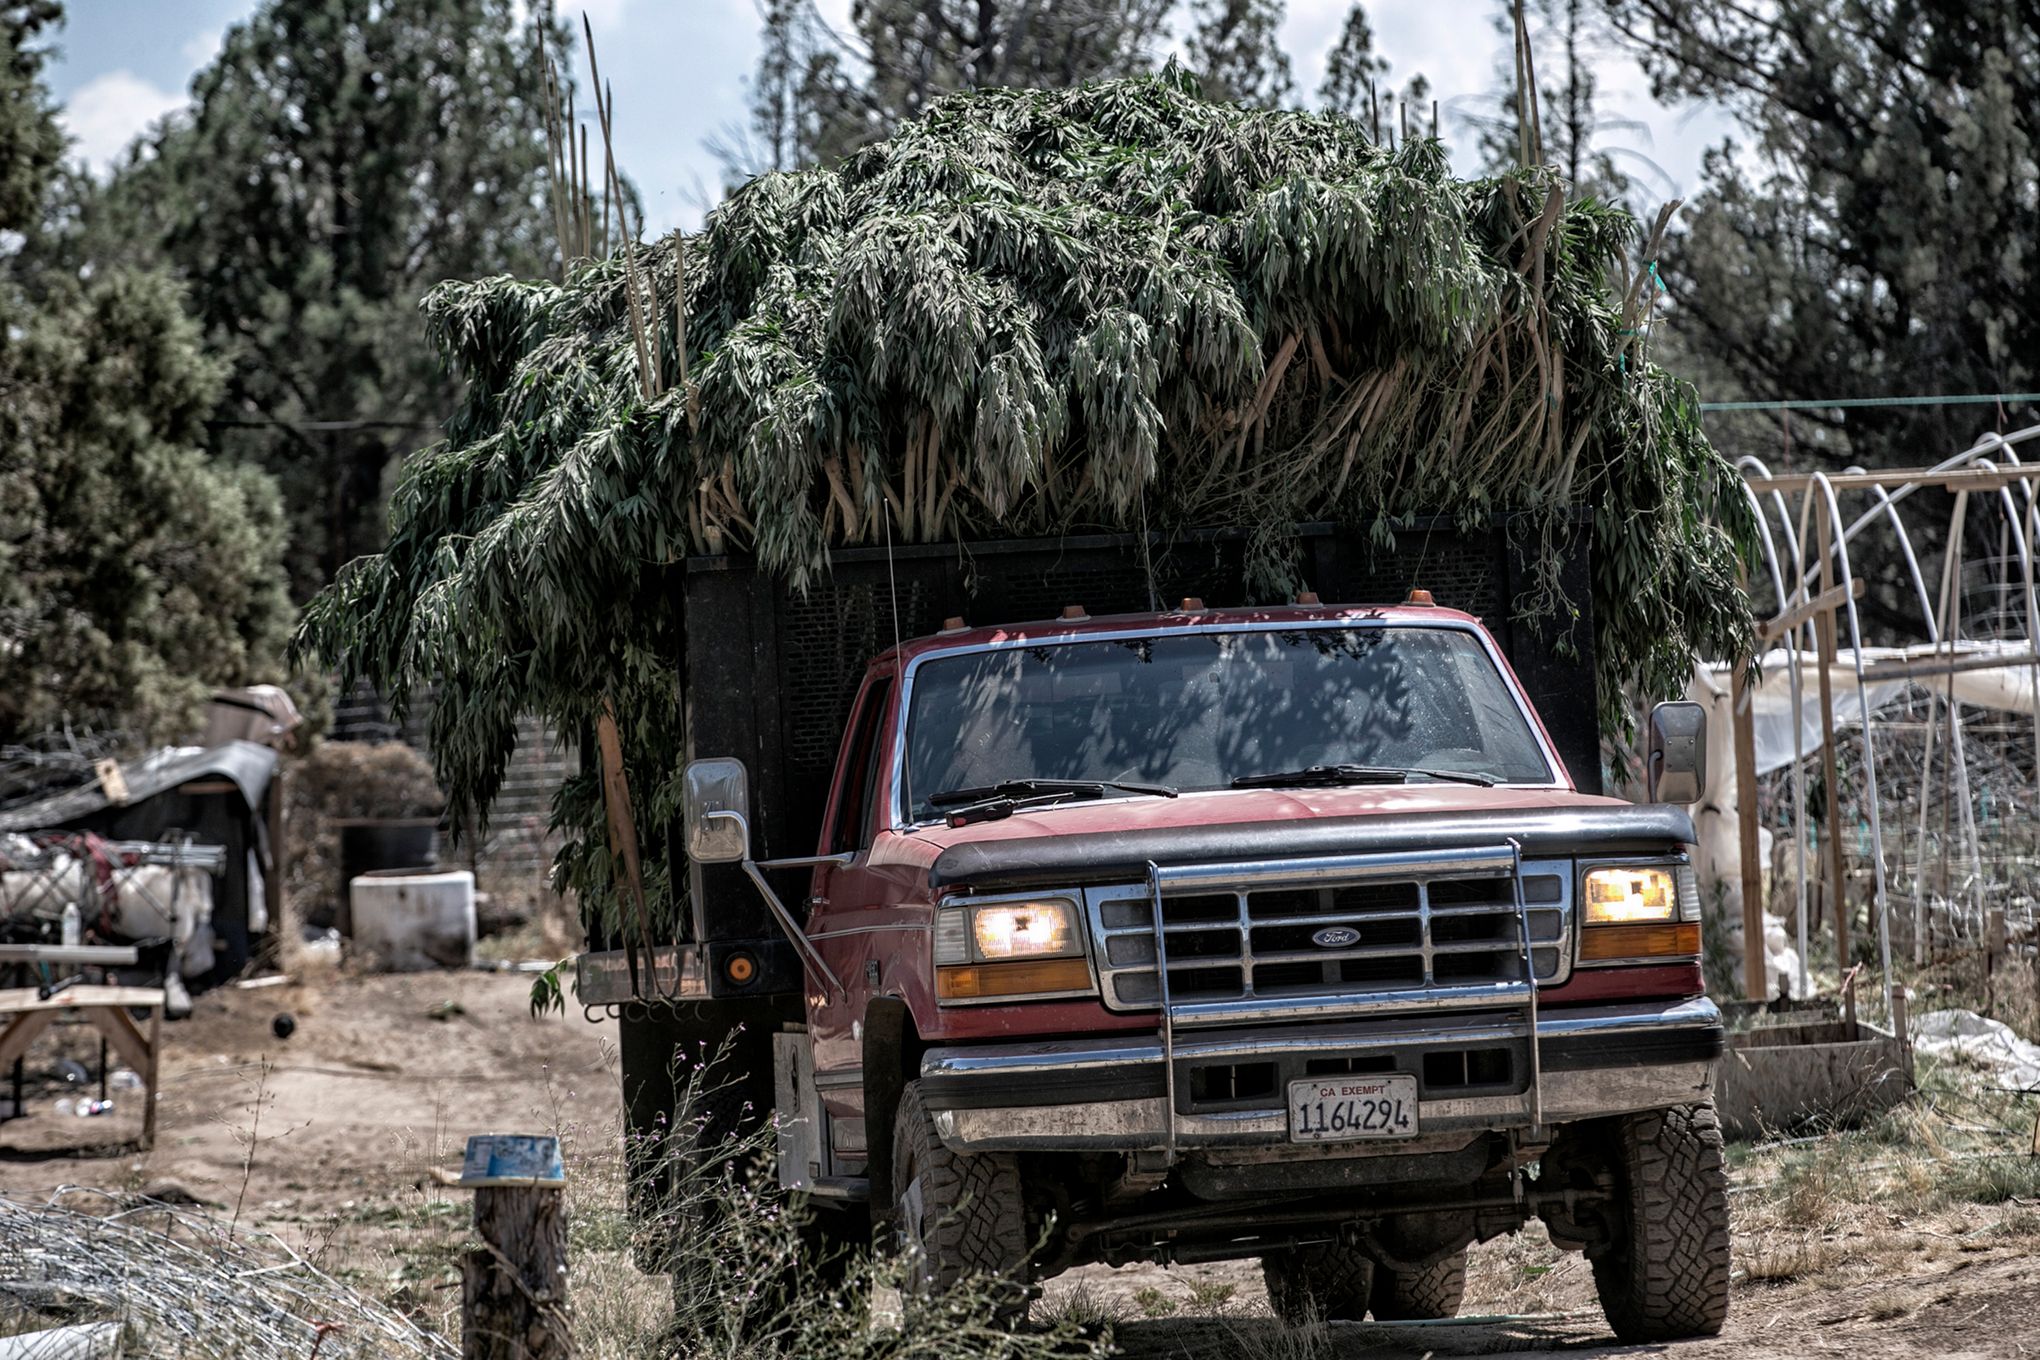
column 1915, row 1238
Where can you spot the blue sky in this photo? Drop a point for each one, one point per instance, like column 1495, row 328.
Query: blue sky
column 679, row 66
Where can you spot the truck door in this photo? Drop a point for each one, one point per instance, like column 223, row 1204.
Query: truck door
column 855, row 918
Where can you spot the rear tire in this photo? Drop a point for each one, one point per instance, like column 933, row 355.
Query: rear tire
column 1419, row 1293
column 958, row 1214
column 1666, row 1276
column 1330, row 1282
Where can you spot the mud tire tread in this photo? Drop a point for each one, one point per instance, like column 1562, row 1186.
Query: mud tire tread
column 1420, row 1294
column 1330, row 1282
column 1668, row 1276
column 974, row 1218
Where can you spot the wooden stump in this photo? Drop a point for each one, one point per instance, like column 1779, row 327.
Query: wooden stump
column 513, row 1289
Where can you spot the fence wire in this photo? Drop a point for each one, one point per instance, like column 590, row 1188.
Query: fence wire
column 182, row 1286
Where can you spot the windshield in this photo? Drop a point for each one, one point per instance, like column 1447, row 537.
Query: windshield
column 1199, row 710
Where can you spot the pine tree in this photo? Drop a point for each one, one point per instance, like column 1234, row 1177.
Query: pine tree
column 818, row 95
column 1235, row 47
column 341, row 157
column 136, row 573
column 1873, row 233
column 30, row 141
column 1353, row 68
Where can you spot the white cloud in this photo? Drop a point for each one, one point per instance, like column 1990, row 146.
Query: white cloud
column 201, row 47
column 108, row 112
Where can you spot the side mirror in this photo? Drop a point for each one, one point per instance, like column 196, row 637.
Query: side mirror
column 716, row 810
column 1675, row 770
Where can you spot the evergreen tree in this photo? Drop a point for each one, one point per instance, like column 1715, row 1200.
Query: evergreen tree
column 1569, row 39
column 1874, row 234
column 1353, row 68
column 818, row 95
column 136, row 574
column 30, row 141
column 340, row 158
column 1235, row 47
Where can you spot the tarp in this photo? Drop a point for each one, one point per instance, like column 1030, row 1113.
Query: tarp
column 247, row 765
column 1968, row 1037
column 2007, row 688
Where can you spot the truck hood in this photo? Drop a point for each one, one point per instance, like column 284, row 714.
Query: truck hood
column 1116, row 839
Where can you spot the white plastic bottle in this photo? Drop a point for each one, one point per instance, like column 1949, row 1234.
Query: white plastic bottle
column 73, row 924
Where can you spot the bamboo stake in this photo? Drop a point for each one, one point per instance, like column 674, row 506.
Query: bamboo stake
column 555, row 162
column 588, row 204
column 605, row 106
column 577, row 177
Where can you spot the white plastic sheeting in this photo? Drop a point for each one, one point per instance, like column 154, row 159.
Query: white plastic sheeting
column 2007, row 688
column 1968, row 1037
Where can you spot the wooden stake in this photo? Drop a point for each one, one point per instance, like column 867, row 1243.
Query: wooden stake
column 1744, row 727
column 623, row 840
column 1994, row 943
column 513, row 1292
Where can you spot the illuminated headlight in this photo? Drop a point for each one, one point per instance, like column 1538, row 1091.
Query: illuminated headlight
column 1014, row 950
column 1006, row 930
column 1631, row 895
column 1023, row 930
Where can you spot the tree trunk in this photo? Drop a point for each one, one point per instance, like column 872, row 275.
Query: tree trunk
column 514, row 1288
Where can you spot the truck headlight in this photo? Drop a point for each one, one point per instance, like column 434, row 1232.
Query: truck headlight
column 1639, row 913
column 1013, row 950
column 1630, row 894
column 1023, row 930
column 1046, row 928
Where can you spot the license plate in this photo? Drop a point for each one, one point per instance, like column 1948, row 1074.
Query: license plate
column 1334, row 1109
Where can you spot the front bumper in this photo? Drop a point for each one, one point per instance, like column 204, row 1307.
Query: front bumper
column 1111, row 1094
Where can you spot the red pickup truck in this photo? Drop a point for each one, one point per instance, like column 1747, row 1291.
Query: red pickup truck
column 1200, row 934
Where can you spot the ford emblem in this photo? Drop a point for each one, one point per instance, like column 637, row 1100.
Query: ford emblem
column 1336, row 937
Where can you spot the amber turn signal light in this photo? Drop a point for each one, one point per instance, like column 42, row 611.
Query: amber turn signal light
column 971, row 982
column 1599, row 944
column 740, row 968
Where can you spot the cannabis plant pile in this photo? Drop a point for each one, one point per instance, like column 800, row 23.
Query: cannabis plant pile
column 1028, row 312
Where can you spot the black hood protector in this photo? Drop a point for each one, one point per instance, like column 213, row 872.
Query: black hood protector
column 1122, row 856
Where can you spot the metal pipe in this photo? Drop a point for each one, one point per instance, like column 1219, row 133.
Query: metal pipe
column 1168, row 1012
column 1834, row 511
column 810, row 957
column 1529, row 982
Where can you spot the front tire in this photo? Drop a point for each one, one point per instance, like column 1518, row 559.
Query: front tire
column 958, row 1214
column 1666, row 1275
column 1420, row 1293
column 1329, row 1282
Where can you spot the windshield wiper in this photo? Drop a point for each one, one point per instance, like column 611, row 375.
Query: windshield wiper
column 1331, row 776
column 990, row 802
column 1023, row 788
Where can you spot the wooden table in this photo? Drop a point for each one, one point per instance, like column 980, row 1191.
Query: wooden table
column 106, row 1010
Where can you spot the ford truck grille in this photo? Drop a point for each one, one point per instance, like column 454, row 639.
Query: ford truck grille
column 1416, row 930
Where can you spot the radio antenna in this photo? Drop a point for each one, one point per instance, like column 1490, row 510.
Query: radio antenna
column 892, row 582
